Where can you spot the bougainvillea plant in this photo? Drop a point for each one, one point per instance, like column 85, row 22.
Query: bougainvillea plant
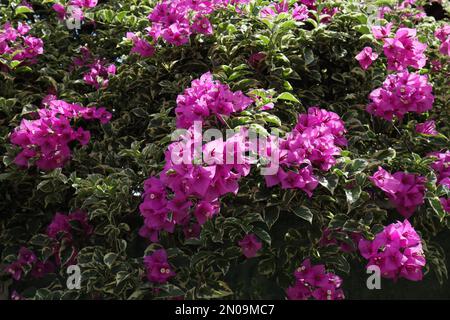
column 350, row 100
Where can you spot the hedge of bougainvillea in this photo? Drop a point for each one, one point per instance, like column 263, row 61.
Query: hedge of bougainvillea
column 356, row 92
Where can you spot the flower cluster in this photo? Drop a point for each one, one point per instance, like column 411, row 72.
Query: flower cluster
column 443, row 35
column 47, row 139
column 445, row 202
column 171, row 20
column 98, row 70
column 99, row 73
column 61, row 225
column 442, row 168
column 157, row 266
column 327, row 13
column 397, row 251
column 73, row 9
column 380, row 32
column 250, row 245
column 299, row 13
column 313, row 281
column 406, row 191
column 21, row 47
column 313, row 143
column 184, row 187
column 404, row 50
column 140, row 46
column 60, row 229
column 63, row 229
column 428, row 127
column 207, row 97
column 27, row 259
column 366, row 57
column 401, row 93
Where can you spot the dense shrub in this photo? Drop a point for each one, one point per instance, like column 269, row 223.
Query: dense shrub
column 357, row 92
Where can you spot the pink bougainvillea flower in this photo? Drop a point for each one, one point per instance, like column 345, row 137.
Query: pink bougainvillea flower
column 141, row 46
column 380, row 32
column 26, row 256
column 61, row 227
column 60, row 11
column 250, row 245
column 366, row 57
column 23, row 28
column 442, row 167
column 256, row 59
column 158, row 268
column 397, row 251
column 436, row 65
column 84, row 3
column 46, row 139
column 428, row 127
column 443, row 32
column 385, row 181
column 206, row 210
column 206, row 97
column 314, row 143
column 149, row 233
column 445, row 202
column 300, row 12
column 15, row 270
column 443, row 35
column 308, row 3
column 445, row 47
column 16, row 296
column 274, row 9
column 202, row 25
column 99, row 74
column 300, row 291
column 22, row 48
column 176, row 34
column 328, row 14
column 313, row 281
column 401, row 93
column 404, row 50
column 406, row 191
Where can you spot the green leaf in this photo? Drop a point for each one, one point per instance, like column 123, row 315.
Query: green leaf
column 353, row 195
column 15, row 63
column 267, row 267
column 358, row 165
column 339, row 262
column 309, row 56
column 288, row 96
column 436, row 205
column 263, row 235
column 109, row 259
column 386, row 155
column 45, row 186
column 214, row 290
column 22, row 10
column 271, row 215
column 329, row 182
column 304, row 213
column 169, row 290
